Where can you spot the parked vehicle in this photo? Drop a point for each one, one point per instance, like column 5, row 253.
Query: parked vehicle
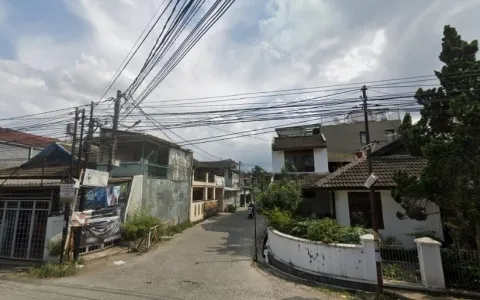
column 251, row 210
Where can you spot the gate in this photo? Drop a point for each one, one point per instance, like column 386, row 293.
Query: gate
column 23, row 223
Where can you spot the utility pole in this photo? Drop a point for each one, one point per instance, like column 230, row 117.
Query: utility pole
column 81, row 204
column 116, row 113
column 373, row 204
column 67, row 212
column 80, row 144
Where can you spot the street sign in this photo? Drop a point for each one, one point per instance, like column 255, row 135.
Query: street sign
column 370, row 180
column 95, row 178
column 67, row 193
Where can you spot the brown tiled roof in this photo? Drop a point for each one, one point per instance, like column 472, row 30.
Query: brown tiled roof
column 306, row 180
column 299, row 142
column 355, row 173
column 57, row 172
column 18, row 137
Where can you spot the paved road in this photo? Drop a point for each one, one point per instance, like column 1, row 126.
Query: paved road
column 209, row 261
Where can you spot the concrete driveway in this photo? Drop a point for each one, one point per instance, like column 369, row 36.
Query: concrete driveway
column 209, row 261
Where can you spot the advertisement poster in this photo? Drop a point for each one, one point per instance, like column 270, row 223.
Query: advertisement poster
column 101, row 226
column 102, row 197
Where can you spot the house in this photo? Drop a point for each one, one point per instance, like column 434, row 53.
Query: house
column 29, row 202
column 214, row 181
column 18, row 147
column 306, row 150
column 344, row 139
column 161, row 172
column 350, row 200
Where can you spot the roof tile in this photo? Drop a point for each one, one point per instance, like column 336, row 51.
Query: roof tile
column 355, row 173
column 18, row 137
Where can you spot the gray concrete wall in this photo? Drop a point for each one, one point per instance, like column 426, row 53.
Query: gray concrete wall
column 169, row 199
column 166, row 199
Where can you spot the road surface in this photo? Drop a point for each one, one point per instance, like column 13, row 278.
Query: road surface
column 210, row 261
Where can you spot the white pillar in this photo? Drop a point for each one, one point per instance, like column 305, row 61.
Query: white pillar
column 206, row 177
column 214, row 194
column 369, row 257
column 430, row 261
column 205, row 193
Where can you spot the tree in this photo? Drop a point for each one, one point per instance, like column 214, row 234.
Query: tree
column 448, row 137
column 284, row 194
column 261, row 177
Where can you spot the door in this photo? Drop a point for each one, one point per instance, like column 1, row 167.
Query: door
column 23, row 223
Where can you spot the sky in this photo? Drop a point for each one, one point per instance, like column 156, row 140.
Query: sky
column 61, row 53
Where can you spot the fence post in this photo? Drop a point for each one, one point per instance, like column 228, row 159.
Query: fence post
column 369, row 257
column 430, row 261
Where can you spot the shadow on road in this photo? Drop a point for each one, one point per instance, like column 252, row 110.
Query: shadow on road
column 240, row 234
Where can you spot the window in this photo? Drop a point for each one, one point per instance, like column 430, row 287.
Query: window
column 308, row 194
column 363, row 138
column 389, row 135
column 360, row 212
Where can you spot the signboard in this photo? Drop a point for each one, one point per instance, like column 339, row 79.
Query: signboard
column 101, row 226
column 102, row 197
column 95, row 178
column 67, row 193
column 370, row 180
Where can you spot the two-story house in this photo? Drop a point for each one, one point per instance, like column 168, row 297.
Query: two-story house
column 214, row 181
column 160, row 172
column 305, row 149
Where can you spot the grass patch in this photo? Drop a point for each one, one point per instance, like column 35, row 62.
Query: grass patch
column 50, row 270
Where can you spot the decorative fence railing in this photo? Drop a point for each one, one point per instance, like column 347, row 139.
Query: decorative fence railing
column 461, row 268
column 400, row 264
column 151, row 237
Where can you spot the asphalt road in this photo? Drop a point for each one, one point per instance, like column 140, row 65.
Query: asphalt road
column 211, row 260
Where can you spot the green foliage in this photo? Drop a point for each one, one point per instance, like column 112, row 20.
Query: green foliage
column 138, row 225
column 461, row 269
column 231, row 208
column 424, row 233
column 447, row 136
column 55, row 246
column 262, row 178
column 284, row 195
column 280, row 220
column 50, row 270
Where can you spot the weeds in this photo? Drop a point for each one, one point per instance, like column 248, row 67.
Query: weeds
column 50, row 270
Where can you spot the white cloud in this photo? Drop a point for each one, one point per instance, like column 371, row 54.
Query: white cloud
column 287, row 44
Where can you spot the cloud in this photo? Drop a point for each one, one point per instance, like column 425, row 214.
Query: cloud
column 257, row 45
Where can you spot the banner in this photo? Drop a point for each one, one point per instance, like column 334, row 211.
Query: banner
column 102, row 197
column 95, row 178
column 101, row 226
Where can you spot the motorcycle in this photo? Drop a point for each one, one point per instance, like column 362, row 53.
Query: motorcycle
column 250, row 212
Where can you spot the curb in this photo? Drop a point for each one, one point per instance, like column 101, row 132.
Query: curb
column 286, row 276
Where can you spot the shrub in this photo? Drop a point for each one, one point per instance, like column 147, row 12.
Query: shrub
column 325, row 230
column 280, row 220
column 55, row 245
column 300, row 227
column 351, row 235
column 138, row 225
column 231, row 208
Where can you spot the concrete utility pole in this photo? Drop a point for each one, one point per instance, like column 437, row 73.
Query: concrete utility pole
column 116, row 114
column 67, row 209
column 373, row 204
column 81, row 204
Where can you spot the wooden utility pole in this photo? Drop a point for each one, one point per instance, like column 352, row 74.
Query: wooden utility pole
column 373, row 200
column 67, row 209
column 116, row 114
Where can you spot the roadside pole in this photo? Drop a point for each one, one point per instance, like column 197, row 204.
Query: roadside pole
column 373, row 204
column 116, row 114
column 67, row 211
column 255, row 228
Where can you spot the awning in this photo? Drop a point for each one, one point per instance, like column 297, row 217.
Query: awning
column 231, row 189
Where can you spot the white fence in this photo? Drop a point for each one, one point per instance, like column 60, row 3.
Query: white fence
column 351, row 262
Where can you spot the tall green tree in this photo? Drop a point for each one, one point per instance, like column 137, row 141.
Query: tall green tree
column 261, row 177
column 448, row 137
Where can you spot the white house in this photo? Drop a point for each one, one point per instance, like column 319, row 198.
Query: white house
column 350, row 199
